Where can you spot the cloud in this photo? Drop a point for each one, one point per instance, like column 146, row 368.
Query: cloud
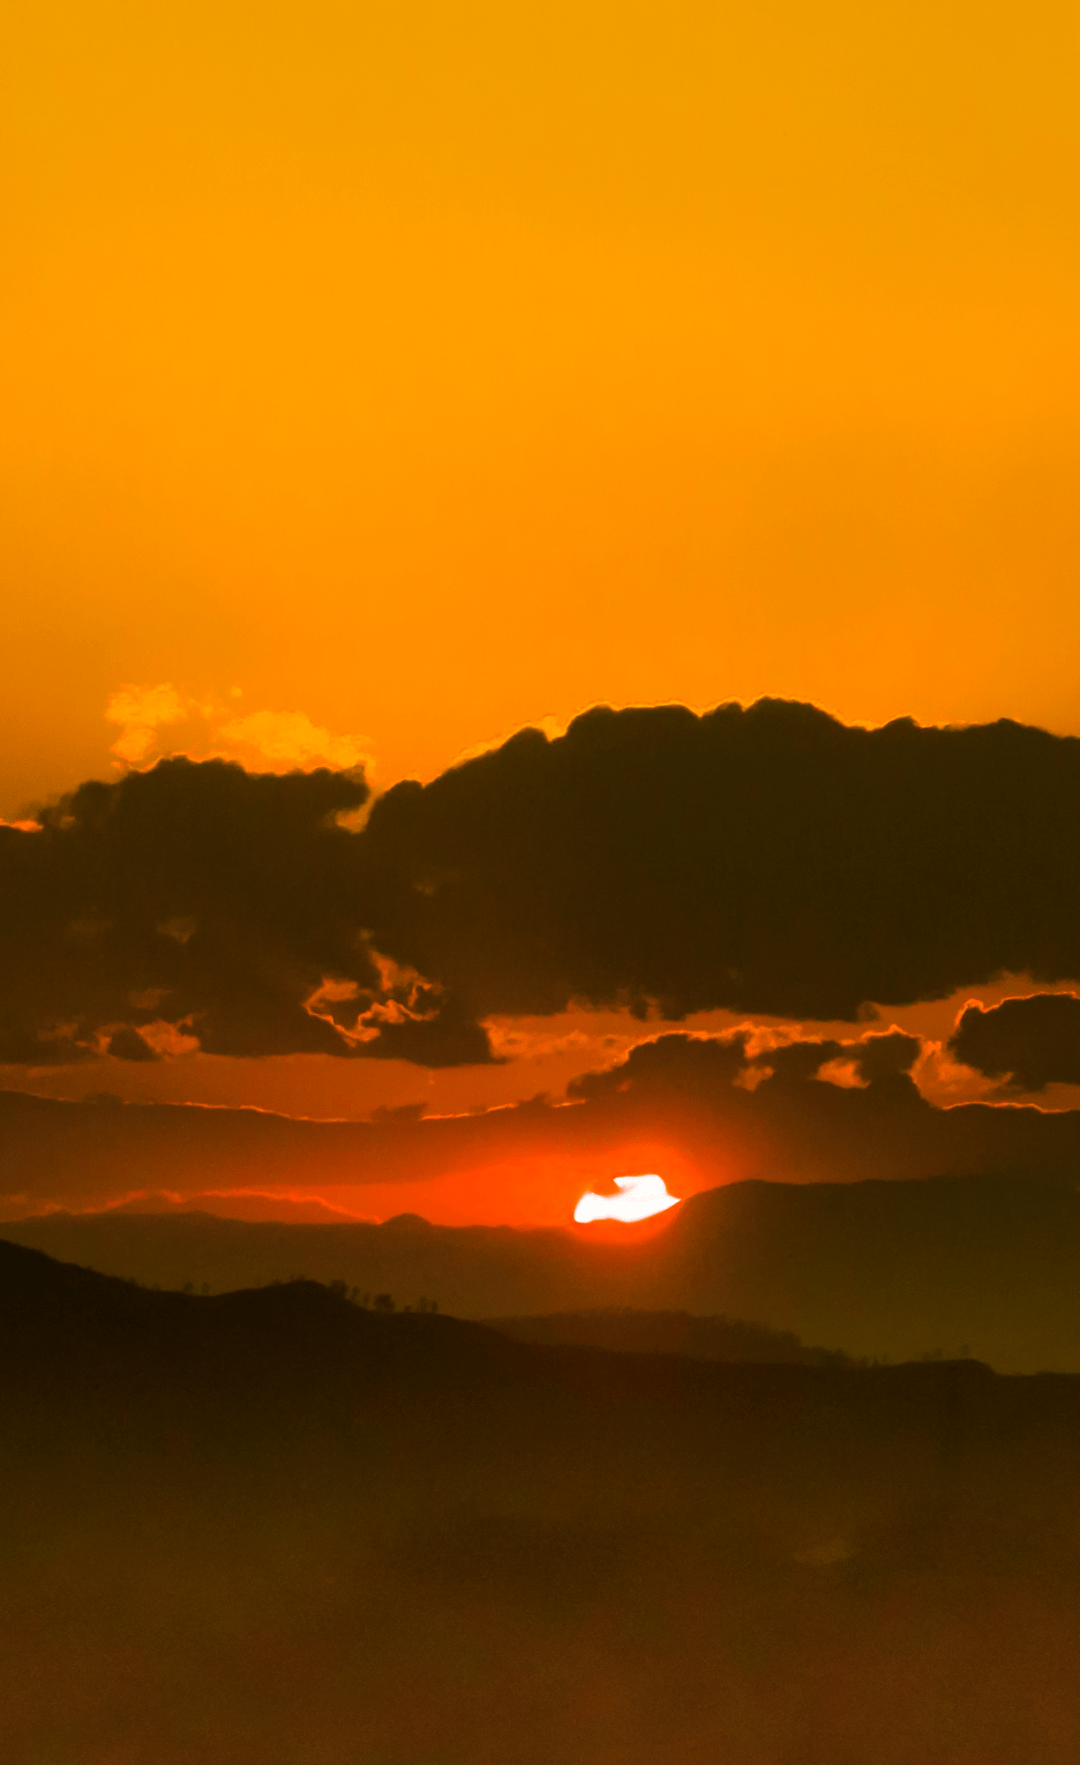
column 142, row 711
column 678, row 1072
column 289, row 738
column 199, row 905
column 675, row 1105
column 127, row 1044
column 1030, row 1042
column 161, row 720
column 764, row 860
column 845, row 1073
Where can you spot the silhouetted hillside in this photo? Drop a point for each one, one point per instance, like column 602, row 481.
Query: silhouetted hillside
column 271, row 1527
column 989, row 1266
column 626, row 1331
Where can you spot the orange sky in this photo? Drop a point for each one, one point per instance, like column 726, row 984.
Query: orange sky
column 428, row 369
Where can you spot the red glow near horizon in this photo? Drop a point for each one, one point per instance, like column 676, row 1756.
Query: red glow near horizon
column 639, row 1199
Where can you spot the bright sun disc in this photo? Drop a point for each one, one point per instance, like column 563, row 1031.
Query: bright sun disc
column 639, row 1197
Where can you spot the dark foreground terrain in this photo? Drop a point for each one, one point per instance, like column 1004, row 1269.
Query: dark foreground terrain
column 270, row 1528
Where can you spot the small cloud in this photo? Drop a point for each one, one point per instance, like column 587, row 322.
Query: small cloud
column 147, row 998
column 181, row 929
column 235, row 1204
column 142, row 711
column 126, row 1043
column 527, row 1043
column 169, row 1038
column 289, row 738
column 943, row 1080
column 160, row 720
column 752, row 1076
column 845, row 1073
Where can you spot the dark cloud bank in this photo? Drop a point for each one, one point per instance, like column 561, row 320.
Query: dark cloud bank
column 766, row 860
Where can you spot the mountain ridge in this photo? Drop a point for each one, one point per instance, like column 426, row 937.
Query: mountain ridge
column 989, row 1266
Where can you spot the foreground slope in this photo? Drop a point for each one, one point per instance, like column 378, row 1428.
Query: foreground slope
column 270, row 1527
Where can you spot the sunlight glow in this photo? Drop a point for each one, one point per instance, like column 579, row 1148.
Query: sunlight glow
column 640, row 1197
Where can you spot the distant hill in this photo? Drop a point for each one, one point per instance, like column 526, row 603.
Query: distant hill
column 271, row 1526
column 952, row 1265
column 626, row 1331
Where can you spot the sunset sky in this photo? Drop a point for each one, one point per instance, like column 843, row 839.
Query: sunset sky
column 381, row 379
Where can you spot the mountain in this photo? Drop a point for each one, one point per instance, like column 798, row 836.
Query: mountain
column 271, row 1526
column 986, row 1266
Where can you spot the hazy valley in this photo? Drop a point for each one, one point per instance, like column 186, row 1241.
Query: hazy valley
column 274, row 1527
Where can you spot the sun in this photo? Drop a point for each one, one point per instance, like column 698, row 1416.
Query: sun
column 639, row 1198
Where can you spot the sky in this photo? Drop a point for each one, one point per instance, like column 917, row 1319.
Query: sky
column 381, row 380
column 430, row 369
